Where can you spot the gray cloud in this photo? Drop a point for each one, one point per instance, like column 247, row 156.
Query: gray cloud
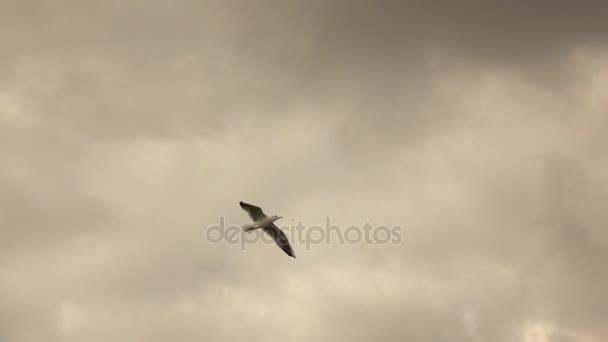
column 127, row 128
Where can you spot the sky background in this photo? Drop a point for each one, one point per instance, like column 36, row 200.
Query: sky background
column 128, row 127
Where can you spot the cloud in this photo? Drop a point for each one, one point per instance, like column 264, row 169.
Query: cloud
column 128, row 128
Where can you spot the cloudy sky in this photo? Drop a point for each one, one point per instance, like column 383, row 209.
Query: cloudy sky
column 129, row 127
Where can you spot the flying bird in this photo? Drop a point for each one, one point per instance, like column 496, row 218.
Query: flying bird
column 266, row 223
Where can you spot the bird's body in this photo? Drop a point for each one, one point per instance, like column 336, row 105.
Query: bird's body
column 261, row 223
column 266, row 223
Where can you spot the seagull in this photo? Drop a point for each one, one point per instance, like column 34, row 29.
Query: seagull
column 260, row 220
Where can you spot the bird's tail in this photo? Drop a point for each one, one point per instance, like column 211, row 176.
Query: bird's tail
column 248, row 228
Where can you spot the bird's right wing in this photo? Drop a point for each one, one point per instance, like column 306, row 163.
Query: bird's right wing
column 254, row 212
column 280, row 238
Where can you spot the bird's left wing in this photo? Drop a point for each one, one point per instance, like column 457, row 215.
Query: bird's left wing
column 280, row 238
column 254, row 212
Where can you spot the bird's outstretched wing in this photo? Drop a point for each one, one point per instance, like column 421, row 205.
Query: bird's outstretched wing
column 254, row 212
column 280, row 238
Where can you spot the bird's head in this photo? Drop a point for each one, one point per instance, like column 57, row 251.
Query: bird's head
column 276, row 217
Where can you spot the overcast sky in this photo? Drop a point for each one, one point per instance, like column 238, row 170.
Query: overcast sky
column 129, row 127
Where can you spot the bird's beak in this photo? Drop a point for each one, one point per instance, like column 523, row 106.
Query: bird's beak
column 280, row 217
